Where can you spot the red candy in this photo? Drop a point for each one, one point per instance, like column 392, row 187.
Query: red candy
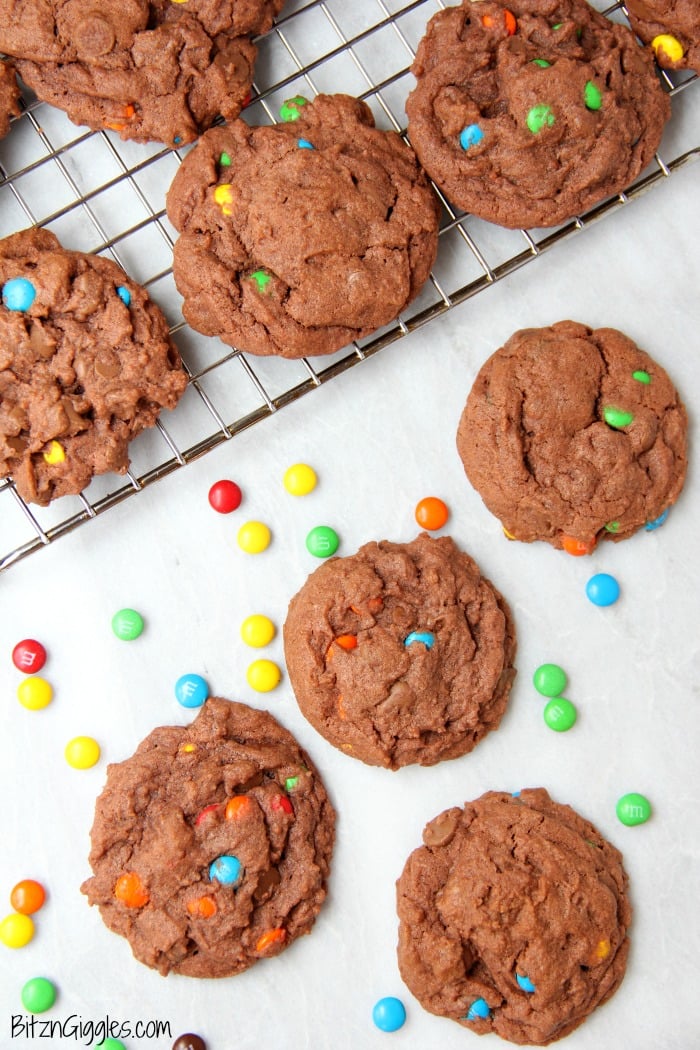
column 29, row 656
column 225, row 496
column 283, row 803
column 207, row 812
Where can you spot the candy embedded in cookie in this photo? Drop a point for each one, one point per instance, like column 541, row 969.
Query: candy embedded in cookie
column 574, row 435
column 513, row 917
column 86, row 364
column 211, row 845
column 671, row 28
column 401, row 653
column 298, row 238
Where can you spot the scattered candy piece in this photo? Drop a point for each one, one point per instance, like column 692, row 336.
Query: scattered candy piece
column 257, row 631
column 508, row 535
column 592, row 96
column 509, row 19
column 225, row 160
column 110, row 1043
column 18, row 293
column 669, row 46
column 560, row 714
column 127, row 624
column 525, row 983
column 633, row 809
column 189, row 1042
column 479, row 1008
column 223, row 196
column 541, row 62
column 82, row 752
column 602, row 949
column 549, row 680
column 38, row 995
column 322, row 541
column 348, row 642
column 202, row 908
column 538, row 117
column 642, row 377
column 130, row 890
column 191, row 690
column 612, row 526
column 225, row 496
column 389, row 1014
column 226, row 869
column 281, row 802
column 261, row 279
column 603, row 589
column 299, row 479
column 27, row 896
column 575, row 547
column 34, row 693
column 426, row 637
column 269, row 938
column 290, row 783
column 237, row 807
column 16, row 930
column 54, row 454
column 657, row 522
column 431, row 513
column 289, row 110
column 124, row 294
column 472, row 135
column 254, row 537
column 305, row 144
column 263, row 675
column 208, row 811
column 617, row 417
column 29, row 656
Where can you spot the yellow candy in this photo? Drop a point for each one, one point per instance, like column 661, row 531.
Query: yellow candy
column 223, row 196
column 82, row 752
column 603, row 949
column 299, row 479
column 34, row 693
column 263, row 675
column 254, row 537
column 188, row 748
column 257, row 631
column 55, row 453
column 508, row 535
column 672, row 48
column 16, row 930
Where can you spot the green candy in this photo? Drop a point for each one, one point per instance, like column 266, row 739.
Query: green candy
column 110, row 1044
column 641, row 376
column 612, row 526
column 549, row 680
column 540, row 116
column 592, row 96
column 541, row 62
column 38, row 995
column 290, row 783
column 127, row 624
column 617, row 417
column 225, row 160
column 261, row 278
column 322, row 541
column 560, row 714
column 289, row 110
column 633, row 809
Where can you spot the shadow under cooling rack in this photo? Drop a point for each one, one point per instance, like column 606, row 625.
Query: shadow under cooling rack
column 102, row 195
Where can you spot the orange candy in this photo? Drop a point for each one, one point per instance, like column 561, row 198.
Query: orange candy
column 27, row 896
column 269, row 938
column 202, row 907
column 431, row 513
column 346, row 641
column 130, row 890
column 509, row 19
column 237, row 807
column 577, row 547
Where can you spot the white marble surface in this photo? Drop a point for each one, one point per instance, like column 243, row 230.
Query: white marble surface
column 380, row 437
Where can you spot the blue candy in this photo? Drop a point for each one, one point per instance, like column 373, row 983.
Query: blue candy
column 18, row 293
column 478, row 1009
column 525, row 983
column 425, row 637
column 191, row 690
column 389, row 1014
column 305, row 144
column 657, row 522
column 472, row 135
column 603, row 589
column 124, row 294
column 226, row 869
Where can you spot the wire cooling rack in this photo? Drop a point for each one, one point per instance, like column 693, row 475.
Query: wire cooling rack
column 101, row 195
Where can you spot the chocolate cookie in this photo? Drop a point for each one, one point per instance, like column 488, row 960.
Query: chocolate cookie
column 86, row 364
column 211, row 845
column 401, row 653
column 513, row 917
column 529, row 114
column 9, row 97
column 150, row 70
column 571, row 435
column 300, row 237
column 671, row 27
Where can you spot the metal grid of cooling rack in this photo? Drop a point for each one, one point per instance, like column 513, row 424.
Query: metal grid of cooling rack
column 102, row 195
